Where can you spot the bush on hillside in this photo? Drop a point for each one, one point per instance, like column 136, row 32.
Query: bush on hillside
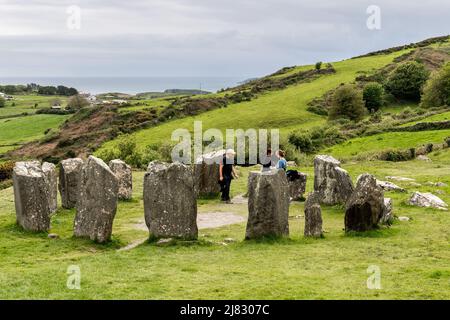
column 407, row 80
column 436, row 92
column 373, row 96
column 311, row 141
column 318, row 65
column 77, row 102
column 347, row 103
column 6, row 170
column 2, row 102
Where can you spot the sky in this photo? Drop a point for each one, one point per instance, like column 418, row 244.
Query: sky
column 235, row 38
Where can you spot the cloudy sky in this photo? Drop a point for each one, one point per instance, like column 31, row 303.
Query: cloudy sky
column 243, row 38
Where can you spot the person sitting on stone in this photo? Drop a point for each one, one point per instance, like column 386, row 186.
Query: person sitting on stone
column 226, row 174
column 267, row 161
column 282, row 163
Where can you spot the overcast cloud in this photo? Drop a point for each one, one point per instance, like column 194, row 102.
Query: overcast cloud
column 243, row 38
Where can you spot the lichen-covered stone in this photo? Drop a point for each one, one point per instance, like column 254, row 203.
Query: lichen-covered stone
column 170, row 202
column 124, row 175
column 206, row 173
column 427, row 200
column 69, row 178
column 365, row 207
column 333, row 183
column 97, row 201
column 32, row 196
column 297, row 187
column 268, row 205
column 313, row 216
column 387, row 217
column 49, row 170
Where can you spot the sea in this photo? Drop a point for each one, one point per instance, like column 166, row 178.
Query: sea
column 130, row 85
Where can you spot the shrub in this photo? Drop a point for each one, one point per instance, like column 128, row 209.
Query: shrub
column 318, row 109
column 348, row 103
column 6, row 169
column 373, row 96
column 2, row 102
column 302, row 141
column 436, row 92
column 318, row 65
column 77, row 102
column 407, row 80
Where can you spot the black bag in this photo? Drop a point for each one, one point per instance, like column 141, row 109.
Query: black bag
column 292, row 175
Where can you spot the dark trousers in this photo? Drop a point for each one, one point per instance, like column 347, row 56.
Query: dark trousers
column 226, row 183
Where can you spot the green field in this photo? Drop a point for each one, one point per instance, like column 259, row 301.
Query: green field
column 16, row 131
column 413, row 256
column 385, row 141
column 26, row 104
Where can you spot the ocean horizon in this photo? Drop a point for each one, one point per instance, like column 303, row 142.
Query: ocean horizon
column 129, row 85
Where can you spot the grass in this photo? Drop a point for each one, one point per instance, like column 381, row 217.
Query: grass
column 26, row 103
column 413, row 256
column 16, row 131
column 384, row 141
column 284, row 109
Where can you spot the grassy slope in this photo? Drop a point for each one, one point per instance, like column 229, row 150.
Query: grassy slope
column 24, row 129
column 284, row 109
column 391, row 140
column 413, row 256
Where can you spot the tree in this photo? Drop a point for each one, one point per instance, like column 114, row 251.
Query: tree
column 407, row 80
column 348, row 103
column 77, row 102
column 436, row 92
column 2, row 102
column 373, row 96
column 319, row 65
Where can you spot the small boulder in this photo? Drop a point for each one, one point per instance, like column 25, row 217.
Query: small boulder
column 97, row 201
column 165, row 242
column 333, row 183
column 170, row 202
column 69, row 178
column 427, row 200
column 399, row 178
column 423, row 158
column 268, row 204
column 124, row 175
column 365, row 207
column 53, row 236
column 32, row 196
column 404, row 218
column 389, row 186
column 313, row 216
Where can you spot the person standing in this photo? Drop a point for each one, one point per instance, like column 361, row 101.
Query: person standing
column 226, row 174
column 282, row 163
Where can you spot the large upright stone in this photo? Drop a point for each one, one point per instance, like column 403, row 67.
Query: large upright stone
column 49, row 169
column 206, row 173
column 331, row 181
column 97, row 201
column 170, row 202
column 297, row 186
column 69, row 178
column 268, row 204
column 313, row 216
column 125, row 176
column 366, row 205
column 32, row 196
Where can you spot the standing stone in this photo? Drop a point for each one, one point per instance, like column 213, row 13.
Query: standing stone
column 170, row 202
column 32, row 196
column 365, row 207
column 97, row 201
column 297, row 186
column 387, row 217
column 313, row 216
column 206, row 173
column 49, row 169
column 268, row 204
column 69, row 178
column 124, row 175
column 331, row 181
